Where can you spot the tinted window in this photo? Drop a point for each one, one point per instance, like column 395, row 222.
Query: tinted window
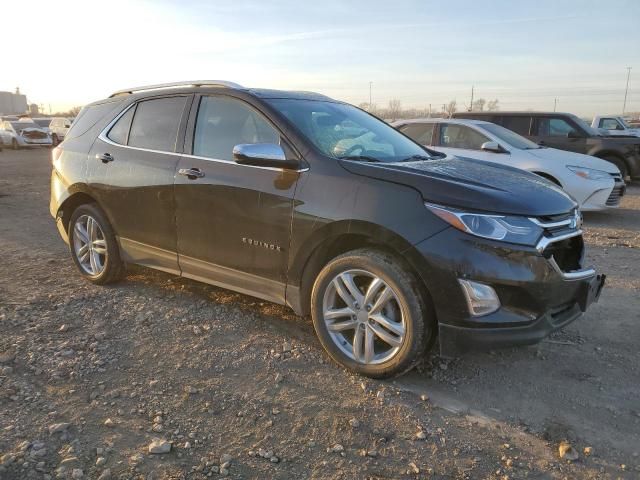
column 155, row 124
column 509, row 137
column 554, row 127
column 460, row 136
column 120, row 130
column 89, row 116
column 420, row 132
column 224, row 123
column 517, row 124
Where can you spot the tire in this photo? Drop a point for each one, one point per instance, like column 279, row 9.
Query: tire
column 103, row 264
column 406, row 311
column 14, row 144
column 618, row 162
column 54, row 140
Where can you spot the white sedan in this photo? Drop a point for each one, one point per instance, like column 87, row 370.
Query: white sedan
column 594, row 183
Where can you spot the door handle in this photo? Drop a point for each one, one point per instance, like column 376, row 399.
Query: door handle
column 191, row 173
column 105, row 157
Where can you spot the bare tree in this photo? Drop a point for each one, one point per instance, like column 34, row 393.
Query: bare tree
column 368, row 107
column 492, row 105
column 451, row 108
column 478, row 105
column 395, row 107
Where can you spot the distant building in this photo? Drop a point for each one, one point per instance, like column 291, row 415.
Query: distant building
column 33, row 109
column 13, row 103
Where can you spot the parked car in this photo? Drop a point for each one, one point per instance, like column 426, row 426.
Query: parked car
column 385, row 243
column 567, row 132
column 595, row 184
column 26, row 134
column 615, row 126
column 59, row 127
column 5, row 138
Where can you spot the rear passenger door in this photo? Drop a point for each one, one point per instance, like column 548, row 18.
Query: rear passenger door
column 131, row 170
column 233, row 220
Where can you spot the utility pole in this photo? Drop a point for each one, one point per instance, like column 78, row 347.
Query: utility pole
column 370, row 108
column 429, row 110
column 471, row 104
column 626, row 90
column 555, row 102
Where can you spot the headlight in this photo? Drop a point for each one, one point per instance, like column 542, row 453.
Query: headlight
column 589, row 173
column 507, row 228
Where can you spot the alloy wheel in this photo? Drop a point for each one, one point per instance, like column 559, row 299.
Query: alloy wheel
column 364, row 317
column 89, row 245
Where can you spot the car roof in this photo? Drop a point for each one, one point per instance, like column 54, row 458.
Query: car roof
column 461, row 121
column 509, row 113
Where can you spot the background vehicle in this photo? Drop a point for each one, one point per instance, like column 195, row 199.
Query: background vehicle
column 5, row 138
column 567, row 132
column 26, row 134
column 59, row 127
column 595, row 184
column 614, row 125
column 309, row 202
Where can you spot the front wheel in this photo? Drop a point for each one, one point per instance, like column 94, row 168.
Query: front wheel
column 370, row 314
column 54, row 140
column 93, row 245
column 14, row 144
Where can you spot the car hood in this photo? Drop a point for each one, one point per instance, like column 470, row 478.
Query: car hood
column 472, row 184
column 571, row 158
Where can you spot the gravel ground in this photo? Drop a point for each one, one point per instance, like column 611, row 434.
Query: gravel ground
column 93, row 380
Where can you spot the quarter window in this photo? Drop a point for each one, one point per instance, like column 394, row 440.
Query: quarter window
column 419, row 132
column 223, row 123
column 120, row 130
column 155, row 124
column 460, row 136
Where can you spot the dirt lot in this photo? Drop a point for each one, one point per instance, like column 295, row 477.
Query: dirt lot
column 241, row 388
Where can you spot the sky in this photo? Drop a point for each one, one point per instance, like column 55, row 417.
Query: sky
column 524, row 53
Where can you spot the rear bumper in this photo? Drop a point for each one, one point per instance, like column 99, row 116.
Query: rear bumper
column 536, row 298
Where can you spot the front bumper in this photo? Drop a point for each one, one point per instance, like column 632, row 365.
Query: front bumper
column 536, row 297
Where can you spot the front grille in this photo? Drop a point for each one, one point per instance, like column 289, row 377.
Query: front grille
column 567, row 253
column 616, row 195
column 34, row 135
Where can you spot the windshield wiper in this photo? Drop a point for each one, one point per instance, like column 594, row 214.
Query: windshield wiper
column 359, row 158
column 422, row 157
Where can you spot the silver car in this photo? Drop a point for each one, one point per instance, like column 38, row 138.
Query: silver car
column 26, row 134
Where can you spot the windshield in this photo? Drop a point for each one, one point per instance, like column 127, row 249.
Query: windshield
column 344, row 131
column 22, row 125
column 43, row 122
column 510, row 137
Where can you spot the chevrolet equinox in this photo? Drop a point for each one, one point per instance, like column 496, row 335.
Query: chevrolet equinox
column 309, row 202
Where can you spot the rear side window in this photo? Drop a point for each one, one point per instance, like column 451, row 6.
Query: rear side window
column 120, row 131
column 554, row 127
column 223, row 123
column 517, row 124
column 460, row 136
column 419, row 132
column 155, row 124
column 89, row 116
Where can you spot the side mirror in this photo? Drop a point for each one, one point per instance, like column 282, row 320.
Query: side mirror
column 263, row 155
column 492, row 147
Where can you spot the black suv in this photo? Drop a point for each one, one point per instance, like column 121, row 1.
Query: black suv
column 309, row 202
column 566, row 131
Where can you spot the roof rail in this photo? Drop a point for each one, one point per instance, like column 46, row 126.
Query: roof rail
column 190, row 83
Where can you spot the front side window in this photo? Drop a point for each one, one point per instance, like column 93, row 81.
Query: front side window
column 224, row 122
column 460, row 136
column 340, row 130
column 420, row 132
column 155, row 124
column 120, row 130
column 554, row 127
column 610, row 124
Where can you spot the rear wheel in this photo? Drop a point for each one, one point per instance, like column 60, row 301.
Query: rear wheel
column 370, row 315
column 93, row 245
column 14, row 144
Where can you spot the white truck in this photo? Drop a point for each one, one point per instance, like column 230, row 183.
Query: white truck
column 614, row 125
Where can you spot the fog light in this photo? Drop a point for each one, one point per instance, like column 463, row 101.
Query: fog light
column 481, row 298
